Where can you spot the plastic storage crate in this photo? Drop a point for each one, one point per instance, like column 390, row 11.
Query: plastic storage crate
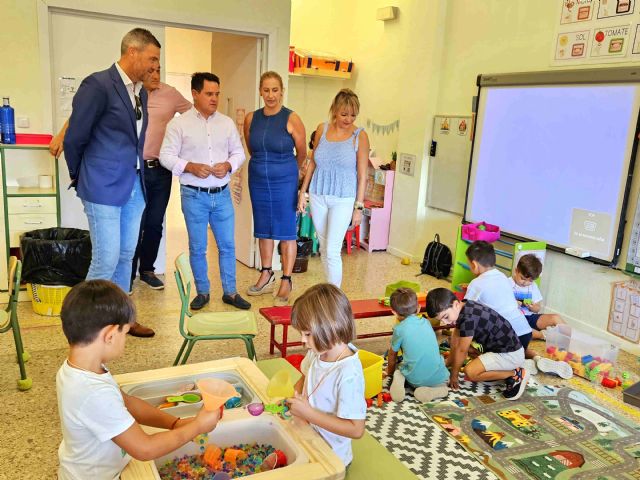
column 589, row 357
column 372, row 368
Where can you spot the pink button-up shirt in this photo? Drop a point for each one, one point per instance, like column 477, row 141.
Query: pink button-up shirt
column 193, row 138
column 164, row 102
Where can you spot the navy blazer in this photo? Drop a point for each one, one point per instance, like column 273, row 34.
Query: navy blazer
column 101, row 145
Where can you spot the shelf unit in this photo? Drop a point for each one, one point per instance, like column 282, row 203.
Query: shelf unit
column 317, row 73
column 26, row 208
column 376, row 219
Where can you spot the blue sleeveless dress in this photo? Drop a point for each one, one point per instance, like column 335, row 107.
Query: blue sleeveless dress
column 273, row 176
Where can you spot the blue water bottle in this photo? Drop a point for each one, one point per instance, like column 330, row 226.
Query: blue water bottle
column 7, row 119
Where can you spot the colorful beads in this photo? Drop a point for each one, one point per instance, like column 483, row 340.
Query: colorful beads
column 239, row 461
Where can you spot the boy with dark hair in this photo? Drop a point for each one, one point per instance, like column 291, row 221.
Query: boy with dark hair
column 422, row 365
column 101, row 424
column 529, row 298
column 502, row 356
column 492, row 288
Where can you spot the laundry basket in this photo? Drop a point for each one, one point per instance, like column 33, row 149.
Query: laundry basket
column 47, row 299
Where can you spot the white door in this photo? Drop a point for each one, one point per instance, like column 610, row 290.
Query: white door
column 235, row 59
column 81, row 45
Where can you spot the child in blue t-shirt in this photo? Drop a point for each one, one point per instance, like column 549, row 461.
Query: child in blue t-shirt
column 422, row 365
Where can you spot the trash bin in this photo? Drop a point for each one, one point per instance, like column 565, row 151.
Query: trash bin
column 53, row 260
column 304, row 249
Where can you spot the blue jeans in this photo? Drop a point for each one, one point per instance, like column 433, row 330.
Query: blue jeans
column 215, row 209
column 114, row 236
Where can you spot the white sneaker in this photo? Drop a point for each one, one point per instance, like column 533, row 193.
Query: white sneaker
column 530, row 366
column 562, row 369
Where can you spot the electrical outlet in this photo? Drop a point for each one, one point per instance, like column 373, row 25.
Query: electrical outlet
column 23, row 122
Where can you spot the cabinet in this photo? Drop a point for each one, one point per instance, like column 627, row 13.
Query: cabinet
column 378, row 196
column 26, row 206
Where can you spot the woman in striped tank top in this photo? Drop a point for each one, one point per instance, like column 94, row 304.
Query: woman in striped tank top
column 336, row 179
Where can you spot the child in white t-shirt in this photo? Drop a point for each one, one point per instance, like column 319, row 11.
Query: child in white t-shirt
column 529, row 298
column 492, row 288
column 528, row 295
column 101, row 424
column 330, row 395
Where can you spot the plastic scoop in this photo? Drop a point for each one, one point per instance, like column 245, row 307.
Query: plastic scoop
column 186, row 398
column 280, row 385
column 215, row 392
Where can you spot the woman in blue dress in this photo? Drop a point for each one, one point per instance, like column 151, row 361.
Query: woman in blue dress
column 271, row 134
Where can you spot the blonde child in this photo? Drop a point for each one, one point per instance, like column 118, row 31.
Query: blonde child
column 330, row 395
column 100, row 423
column 422, row 365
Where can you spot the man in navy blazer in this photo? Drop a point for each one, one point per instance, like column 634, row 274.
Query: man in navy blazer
column 103, row 148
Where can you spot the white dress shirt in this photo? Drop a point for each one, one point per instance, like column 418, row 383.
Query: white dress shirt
column 193, row 138
column 133, row 89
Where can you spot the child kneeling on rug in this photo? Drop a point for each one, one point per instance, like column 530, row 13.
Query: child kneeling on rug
column 422, row 365
column 330, row 394
column 100, row 423
column 503, row 354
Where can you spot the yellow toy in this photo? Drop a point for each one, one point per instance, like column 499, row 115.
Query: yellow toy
column 232, row 455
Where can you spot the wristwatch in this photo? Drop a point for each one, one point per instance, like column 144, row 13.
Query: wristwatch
column 358, row 206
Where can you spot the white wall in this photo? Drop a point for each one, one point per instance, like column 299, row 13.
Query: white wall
column 187, row 51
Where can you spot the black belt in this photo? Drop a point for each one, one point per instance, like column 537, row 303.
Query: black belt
column 153, row 163
column 206, row 189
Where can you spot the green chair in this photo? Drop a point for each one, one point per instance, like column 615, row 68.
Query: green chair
column 9, row 321
column 209, row 325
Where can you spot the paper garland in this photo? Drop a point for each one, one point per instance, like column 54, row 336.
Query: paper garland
column 387, row 129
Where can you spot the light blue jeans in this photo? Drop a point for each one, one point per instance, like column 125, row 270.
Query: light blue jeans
column 114, row 236
column 201, row 209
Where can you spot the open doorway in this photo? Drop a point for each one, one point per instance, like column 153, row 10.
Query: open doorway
column 237, row 58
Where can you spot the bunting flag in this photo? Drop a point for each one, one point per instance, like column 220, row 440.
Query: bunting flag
column 383, row 129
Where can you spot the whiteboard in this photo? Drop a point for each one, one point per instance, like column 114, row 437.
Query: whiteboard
column 449, row 167
column 552, row 156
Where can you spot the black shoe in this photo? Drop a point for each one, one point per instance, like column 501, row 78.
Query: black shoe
column 200, row 301
column 237, row 301
column 516, row 388
column 150, row 279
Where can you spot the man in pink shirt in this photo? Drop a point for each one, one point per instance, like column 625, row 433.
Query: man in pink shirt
column 164, row 102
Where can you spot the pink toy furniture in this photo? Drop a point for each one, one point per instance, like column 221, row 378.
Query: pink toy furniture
column 374, row 231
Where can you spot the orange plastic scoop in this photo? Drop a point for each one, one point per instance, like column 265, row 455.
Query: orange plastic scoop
column 280, row 385
column 215, row 392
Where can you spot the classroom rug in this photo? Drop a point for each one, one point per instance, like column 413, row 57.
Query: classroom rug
column 550, row 433
column 420, row 445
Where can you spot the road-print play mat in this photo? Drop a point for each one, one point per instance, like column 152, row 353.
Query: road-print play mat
column 550, row 433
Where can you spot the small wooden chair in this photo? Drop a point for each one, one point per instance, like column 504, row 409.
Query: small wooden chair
column 209, row 325
column 9, row 321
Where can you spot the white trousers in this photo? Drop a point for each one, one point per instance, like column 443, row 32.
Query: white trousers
column 331, row 217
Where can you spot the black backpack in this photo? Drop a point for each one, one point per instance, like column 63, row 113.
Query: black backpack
column 437, row 259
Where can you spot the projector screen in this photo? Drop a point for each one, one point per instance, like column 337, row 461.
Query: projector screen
column 551, row 162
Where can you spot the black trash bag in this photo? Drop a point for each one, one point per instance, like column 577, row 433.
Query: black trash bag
column 55, row 256
column 304, row 247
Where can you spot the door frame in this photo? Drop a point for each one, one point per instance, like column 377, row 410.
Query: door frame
column 267, row 37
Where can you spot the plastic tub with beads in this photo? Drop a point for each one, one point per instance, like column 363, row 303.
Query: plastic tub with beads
column 308, row 455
